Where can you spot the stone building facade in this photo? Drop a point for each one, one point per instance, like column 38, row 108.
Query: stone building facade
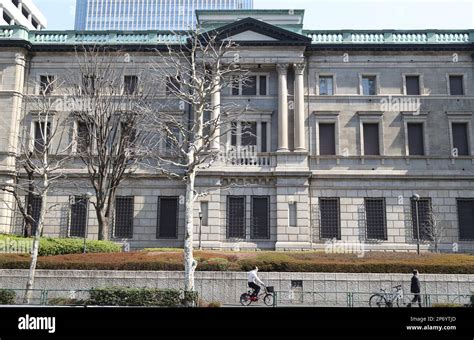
column 349, row 126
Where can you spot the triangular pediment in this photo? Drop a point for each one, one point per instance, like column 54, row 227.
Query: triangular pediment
column 253, row 31
column 250, row 35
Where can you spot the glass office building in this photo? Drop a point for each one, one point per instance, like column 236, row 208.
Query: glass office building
column 146, row 14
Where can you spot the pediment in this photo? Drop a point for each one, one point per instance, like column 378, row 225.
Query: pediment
column 252, row 31
column 250, row 35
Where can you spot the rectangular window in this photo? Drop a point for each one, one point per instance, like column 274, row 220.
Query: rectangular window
column 236, row 217
column 424, row 215
column 130, row 85
column 326, row 86
column 249, row 87
column 205, row 213
column 79, row 208
column 292, row 214
column 263, row 85
column 83, row 138
column 416, row 146
column 330, row 223
column 34, row 208
column 234, row 132
column 263, row 138
column 371, row 139
column 413, row 85
column 260, row 222
column 168, row 209
column 249, row 133
column 376, row 221
column 124, row 212
column 460, row 138
column 369, row 85
column 327, row 139
column 42, row 135
column 46, row 85
column 466, row 219
column 456, row 85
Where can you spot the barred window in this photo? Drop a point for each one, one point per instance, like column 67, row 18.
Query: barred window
column 424, row 215
column 466, row 218
column 78, row 221
column 376, row 218
column 236, row 217
column 168, row 209
column 124, row 217
column 330, row 223
column 260, row 222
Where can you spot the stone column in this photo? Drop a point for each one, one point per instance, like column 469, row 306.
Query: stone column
column 299, row 108
column 216, row 113
column 282, row 107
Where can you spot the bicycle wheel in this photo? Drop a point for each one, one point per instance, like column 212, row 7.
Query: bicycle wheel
column 245, row 299
column 268, row 299
column 377, row 300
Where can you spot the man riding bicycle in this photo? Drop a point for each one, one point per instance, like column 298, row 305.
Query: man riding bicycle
column 254, row 281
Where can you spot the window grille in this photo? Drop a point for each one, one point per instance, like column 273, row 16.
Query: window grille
column 376, row 221
column 168, row 209
column 466, row 219
column 330, row 223
column 124, row 217
column 77, row 227
column 236, row 217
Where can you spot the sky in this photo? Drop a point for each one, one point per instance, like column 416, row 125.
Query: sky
column 332, row 14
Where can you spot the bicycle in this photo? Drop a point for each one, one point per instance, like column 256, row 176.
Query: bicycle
column 267, row 293
column 387, row 299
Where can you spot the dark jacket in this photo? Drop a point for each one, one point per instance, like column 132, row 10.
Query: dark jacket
column 415, row 285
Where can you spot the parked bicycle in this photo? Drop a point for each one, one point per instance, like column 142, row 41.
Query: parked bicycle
column 267, row 295
column 388, row 299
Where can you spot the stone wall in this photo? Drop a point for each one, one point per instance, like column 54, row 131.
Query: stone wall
column 323, row 289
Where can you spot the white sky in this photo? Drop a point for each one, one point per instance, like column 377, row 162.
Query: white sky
column 333, row 14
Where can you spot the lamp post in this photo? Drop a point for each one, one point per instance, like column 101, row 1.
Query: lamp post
column 86, row 197
column 200, row 230
column 416, row 198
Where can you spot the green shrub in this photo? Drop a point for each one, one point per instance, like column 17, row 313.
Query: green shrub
column 120, row 296
column 61, row 246
column 7, row 297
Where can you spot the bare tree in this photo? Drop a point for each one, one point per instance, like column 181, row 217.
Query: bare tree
column 41, row 157
column 108, row 101
column 434, row 229
column 193, row 75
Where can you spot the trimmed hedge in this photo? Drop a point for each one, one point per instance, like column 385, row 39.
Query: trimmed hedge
column 266, row 261
column 119, row 296
column 7, row 297
column 61, row 246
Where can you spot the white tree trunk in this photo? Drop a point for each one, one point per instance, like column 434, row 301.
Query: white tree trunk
column 189, row 262
column 34, row 254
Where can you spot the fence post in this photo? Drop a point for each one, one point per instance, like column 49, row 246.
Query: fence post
column 427, row 300
column 350, row 302
column 275, row 299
